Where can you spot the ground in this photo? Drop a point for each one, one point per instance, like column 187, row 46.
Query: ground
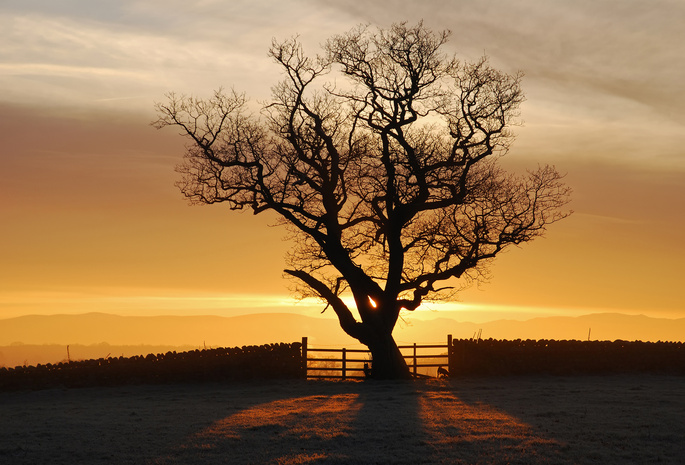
column 526, row 420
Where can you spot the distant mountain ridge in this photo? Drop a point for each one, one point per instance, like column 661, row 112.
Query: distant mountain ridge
column 216, row 331
column 44, row 339
column 95, row 328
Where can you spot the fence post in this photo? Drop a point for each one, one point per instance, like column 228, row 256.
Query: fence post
column 304, row 356
column 415, row 358
column 344, row 363
column 450, row 353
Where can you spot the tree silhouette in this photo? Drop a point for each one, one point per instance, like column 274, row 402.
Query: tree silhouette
column 387, row 179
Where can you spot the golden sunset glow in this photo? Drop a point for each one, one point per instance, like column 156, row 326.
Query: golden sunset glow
column 90, row 219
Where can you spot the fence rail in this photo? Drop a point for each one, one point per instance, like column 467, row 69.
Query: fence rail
column 345, row 367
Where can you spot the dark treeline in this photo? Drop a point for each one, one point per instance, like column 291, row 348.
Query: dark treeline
column 272, row 361
column 519, row 357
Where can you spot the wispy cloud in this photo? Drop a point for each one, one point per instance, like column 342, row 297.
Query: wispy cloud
column 145, row 48
column 629, row 50
column 76, row 63
column 57, row 70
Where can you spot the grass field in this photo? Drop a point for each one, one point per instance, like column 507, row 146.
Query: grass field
column 615, row 419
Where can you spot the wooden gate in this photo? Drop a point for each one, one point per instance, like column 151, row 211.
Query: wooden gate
column 422, row 359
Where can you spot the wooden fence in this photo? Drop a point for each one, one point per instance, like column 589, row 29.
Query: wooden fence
column 354, row 363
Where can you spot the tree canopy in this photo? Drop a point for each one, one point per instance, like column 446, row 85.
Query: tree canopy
column 380, row 155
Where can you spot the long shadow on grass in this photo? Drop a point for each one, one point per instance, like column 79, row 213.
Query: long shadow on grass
column 298, row 422
column 305, row 422
column 128, row 424
column 331, row 423
column 463, row 430
column 612, row 419
column 428, row 422
column 371, row 422
column 524, row 420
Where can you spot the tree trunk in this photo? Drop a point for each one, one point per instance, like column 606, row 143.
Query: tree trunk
column 387, row 360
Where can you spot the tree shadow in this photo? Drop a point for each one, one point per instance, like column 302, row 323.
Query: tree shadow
column 528, row 419
column 289, row 426
column 464, row 431
column 427, row 422
column 590, row 419
column 129, row 424
column 371, row 422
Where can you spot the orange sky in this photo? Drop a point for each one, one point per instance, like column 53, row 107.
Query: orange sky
column 90, row 219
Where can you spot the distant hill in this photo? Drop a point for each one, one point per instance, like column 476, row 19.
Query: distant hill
column 34, row 354
column 600, row 326
column 94, row 328
column 98, row 334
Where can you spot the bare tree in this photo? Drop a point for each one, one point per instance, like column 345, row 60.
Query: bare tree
column 388, row 179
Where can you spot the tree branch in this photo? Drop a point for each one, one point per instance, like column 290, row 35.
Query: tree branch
column 345, row 317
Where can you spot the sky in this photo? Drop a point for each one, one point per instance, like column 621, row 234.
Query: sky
column 90, row 219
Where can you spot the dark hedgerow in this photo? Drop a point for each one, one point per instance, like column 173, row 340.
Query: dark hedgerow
column 523, row 357
column 272, row 361
column 283, row 361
